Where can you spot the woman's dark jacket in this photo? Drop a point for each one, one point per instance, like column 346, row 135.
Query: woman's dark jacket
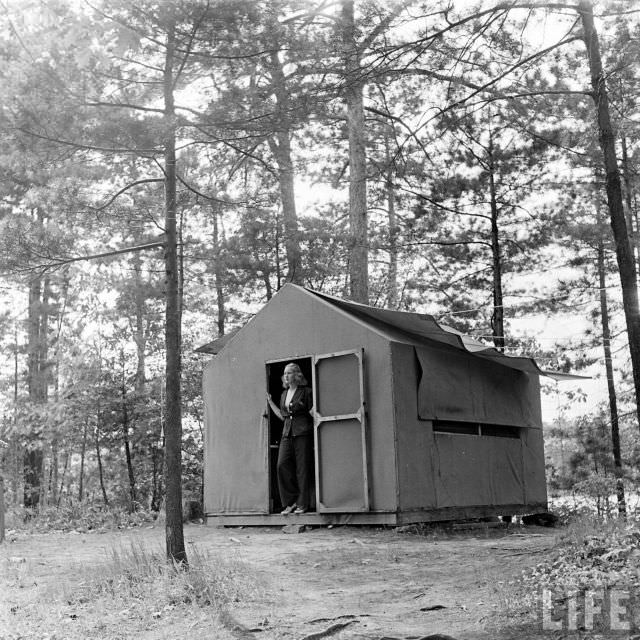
column 297, row 420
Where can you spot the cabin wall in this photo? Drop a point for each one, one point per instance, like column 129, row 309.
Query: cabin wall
column 534, row 466
column 293, row 324
column 443, row 470
column 414, row 436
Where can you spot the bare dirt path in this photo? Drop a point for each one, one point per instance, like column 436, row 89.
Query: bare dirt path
column 350, row 582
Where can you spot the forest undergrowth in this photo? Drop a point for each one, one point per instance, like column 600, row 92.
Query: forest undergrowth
column 588, row 583
column 80, row 517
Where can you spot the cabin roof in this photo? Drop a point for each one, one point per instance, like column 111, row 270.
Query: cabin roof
column 419, row 329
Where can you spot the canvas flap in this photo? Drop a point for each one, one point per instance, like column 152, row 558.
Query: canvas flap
column 458, row 386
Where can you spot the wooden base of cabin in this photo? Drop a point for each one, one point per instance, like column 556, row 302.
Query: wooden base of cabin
column 372, row 518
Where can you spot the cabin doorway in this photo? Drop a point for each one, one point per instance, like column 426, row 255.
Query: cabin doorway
column 275, row 369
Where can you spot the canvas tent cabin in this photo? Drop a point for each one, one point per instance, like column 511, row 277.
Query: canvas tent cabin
column 412, row 421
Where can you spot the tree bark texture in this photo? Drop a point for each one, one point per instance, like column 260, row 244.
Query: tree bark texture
column 392, row 222
column 127, row 443
column 139, row 334
column 218, row 273
column 632, row 222
column 99, row 460
column 33, row 457
column 281, row 149
column 64, row 473
column 358, row 215
column 83, row 452
column 613, row 401
column 1, row 509
column 173, row 397
column 624, row 251
column 157, row 462
column 497, row 318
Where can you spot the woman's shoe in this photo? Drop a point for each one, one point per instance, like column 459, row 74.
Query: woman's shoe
column 300, row 510
column 287, row 510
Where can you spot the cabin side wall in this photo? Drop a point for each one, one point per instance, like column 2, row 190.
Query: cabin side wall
column 294, row 324
column 414, row 437
column 455, row 472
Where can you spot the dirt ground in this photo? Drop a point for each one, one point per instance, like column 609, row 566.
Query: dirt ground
column 344, row 582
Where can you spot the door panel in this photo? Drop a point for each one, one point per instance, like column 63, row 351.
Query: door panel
column 340, row 479
column 338, row 378
column 340, row 432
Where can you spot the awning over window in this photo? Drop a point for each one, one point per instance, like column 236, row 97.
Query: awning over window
column 459, row 386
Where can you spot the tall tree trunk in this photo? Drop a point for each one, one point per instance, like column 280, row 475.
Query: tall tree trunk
column 2, row 509
column 17, row 455
column 358, row 218
column 139, row 333
column 156, row 478
column 45, row 368
column 628, row 191
column 126, row 441
column 55, row 473
column 613, row 401
column 33, row 458
column 218, row 273
column 64, row 473
column 624, row 252
column 497, row 317
column 392, row 222
column 613, row 404
column 99, row 459
column 83, row 452
column 55, row 446
column 266, row 272
column 281, row 149
column 180, row 249
column 267, row 285
column 174, row 532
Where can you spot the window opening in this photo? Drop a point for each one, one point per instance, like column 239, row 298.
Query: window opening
column 475, row 429
column 462, row 428
column 499, row 431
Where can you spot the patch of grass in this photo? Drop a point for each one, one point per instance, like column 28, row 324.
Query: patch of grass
column 134, row 592
column 138, row 575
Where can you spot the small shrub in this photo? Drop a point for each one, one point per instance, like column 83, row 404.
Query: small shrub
column 592, row 555
column 82, row 516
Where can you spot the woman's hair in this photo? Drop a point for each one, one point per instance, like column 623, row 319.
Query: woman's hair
column 300, row 380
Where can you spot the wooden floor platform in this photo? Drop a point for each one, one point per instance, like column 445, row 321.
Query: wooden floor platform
column 309, row 518
column 373, row 518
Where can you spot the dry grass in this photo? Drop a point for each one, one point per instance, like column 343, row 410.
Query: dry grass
column 135, row 573
column 135, row 592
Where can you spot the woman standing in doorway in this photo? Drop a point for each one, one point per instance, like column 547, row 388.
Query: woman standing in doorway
column 295, row 455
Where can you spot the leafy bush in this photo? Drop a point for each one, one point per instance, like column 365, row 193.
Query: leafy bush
column 593, row 556
column 76, row 517
column 596, row 502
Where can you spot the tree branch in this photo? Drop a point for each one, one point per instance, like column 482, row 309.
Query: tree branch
column 88, row 147
column 123, row 190
column 54, row 264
